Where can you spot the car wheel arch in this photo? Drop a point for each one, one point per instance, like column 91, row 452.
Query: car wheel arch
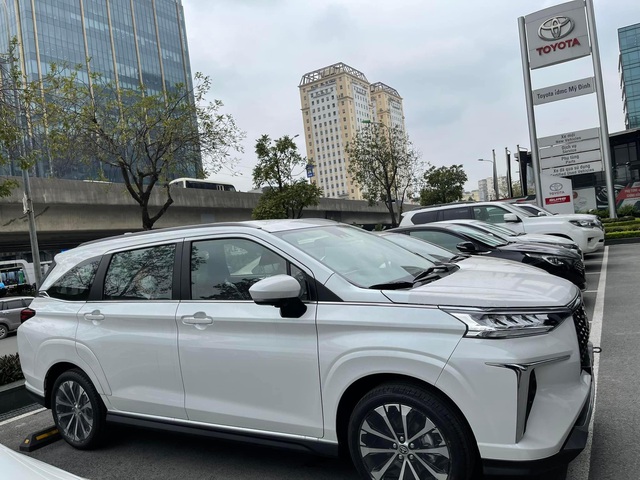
column 358, row 389
column 54, row 372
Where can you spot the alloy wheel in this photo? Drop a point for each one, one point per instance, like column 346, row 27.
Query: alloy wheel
column 400, row 442
column 74, row 411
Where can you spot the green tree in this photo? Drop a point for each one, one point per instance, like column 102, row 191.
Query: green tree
column 443, row 185
column 148, row 137
column 285, row 195
column 384, row 164
column 17, row 99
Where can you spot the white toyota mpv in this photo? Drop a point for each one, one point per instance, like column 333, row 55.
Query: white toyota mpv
column 314, row 334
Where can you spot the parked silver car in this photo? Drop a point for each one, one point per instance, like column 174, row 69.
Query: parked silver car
column 10, row 308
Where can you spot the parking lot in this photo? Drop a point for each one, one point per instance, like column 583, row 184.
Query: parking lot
column 612, row 304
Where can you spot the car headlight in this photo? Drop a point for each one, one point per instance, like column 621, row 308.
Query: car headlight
column 583, row 223
column 552, row 259
column 508, row 325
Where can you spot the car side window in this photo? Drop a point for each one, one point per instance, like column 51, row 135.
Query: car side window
column 76, row 283
column 456, row 213
column 142, row 274
column 490, row 214
column 225, row 269
column 443, row 239
column 13, row 304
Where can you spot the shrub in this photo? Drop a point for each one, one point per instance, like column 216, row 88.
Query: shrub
column 626, row 234
column 628, row 210
column 10, row 370
column 622, row 227
column 616, row 220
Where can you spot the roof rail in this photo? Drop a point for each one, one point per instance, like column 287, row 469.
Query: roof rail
column 422, row 207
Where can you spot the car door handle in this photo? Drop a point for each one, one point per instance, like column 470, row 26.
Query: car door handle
column 94, row 316
column 199, row 318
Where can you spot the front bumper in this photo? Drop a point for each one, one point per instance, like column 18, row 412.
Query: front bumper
column 573, row 446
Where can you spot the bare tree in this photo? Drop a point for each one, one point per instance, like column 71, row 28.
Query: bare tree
column 148, row 137
column 385, row 165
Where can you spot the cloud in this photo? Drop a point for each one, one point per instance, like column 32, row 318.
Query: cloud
column 456, row 64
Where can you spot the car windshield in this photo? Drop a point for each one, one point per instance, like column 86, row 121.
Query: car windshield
column 428, row 250
column 360, row 257
column 524, row 211
column 479, row 236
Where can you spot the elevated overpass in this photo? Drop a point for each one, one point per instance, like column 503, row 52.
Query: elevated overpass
column 69, row 212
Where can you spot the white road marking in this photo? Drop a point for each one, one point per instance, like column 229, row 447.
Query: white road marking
column 20, row 417
column 579, row 468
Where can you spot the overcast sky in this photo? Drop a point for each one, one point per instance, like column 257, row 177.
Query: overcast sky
column 456, row 63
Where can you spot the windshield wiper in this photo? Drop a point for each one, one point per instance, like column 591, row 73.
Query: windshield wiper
column 457, row 258
column 424, row 276
column 397, row 285
column 431, row 273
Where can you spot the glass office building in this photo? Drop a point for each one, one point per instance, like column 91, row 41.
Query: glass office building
column 629, row 67
column 128, row 42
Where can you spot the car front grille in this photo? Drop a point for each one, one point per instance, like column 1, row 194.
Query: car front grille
column 580, row 267
column 581, row 323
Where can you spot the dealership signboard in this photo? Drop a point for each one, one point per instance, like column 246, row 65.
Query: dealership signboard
column 557, row 34
column 570, row 137
column 557, row 194
column 548, row 37
column 563, row 91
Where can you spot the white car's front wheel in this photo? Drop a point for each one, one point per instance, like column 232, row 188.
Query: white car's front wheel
column 400, row 432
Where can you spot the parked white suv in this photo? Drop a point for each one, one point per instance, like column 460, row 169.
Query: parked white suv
column 588, row 235
column 316, row 334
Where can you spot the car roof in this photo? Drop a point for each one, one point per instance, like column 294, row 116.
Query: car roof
column 266, row 225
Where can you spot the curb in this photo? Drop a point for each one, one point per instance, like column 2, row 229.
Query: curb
column 14, row 396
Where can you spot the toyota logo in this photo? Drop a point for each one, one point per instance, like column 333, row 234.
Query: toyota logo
column 555, row 28
column 555, row 187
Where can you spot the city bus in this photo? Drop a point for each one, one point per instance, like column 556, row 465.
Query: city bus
column 203, row 184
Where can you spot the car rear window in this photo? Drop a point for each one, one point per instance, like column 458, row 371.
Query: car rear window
column 424, row 217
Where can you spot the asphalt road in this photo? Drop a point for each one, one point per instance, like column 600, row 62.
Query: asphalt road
column 140, row 454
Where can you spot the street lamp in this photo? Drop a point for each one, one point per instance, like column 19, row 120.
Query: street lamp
column 27, row 201
column 495, row 173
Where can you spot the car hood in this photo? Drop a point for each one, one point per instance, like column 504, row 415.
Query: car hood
column 539, row 238
column 536, row 248
column 16, row 465
column 526, row 287
column 482, row 264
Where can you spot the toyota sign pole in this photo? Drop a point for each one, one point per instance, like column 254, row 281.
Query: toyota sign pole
column 602, row 110
column 531, row 116
column 551, row 36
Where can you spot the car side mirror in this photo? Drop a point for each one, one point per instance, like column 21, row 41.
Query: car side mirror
column 542, row 214
column 511, row 218
column 280, row 291
column 467, row 247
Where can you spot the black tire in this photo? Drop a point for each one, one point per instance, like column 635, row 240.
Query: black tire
column 437, row 437
column 77, row 409
column 4, row 331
